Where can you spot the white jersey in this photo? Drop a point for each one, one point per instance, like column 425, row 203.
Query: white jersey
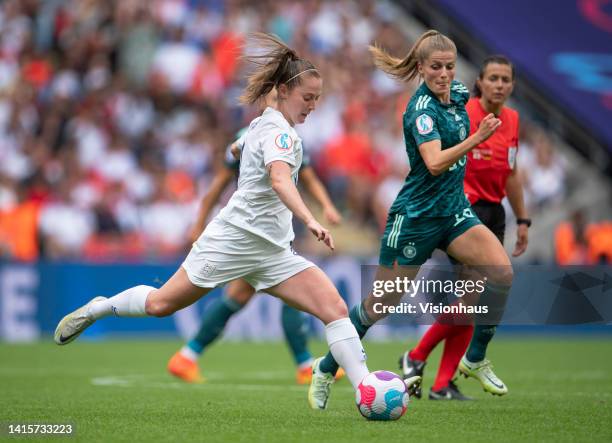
column 255, row 207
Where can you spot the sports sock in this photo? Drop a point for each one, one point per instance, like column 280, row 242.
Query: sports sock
column 295, row 330
column 434, row 335
column 361, row 321
column 129, row 303
column 345, row 345
column 454, row 348
column 214, row 320
column 480, row 340
column 189, row 353
column 494, row 297
column 443, row 327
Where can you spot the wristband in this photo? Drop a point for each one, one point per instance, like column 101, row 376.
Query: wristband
column 523, row 221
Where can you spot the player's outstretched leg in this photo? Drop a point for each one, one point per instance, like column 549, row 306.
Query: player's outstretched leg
column 139, row 301
column 73, row 324
column 312, row 291
column 129, row 303
column 184, row 363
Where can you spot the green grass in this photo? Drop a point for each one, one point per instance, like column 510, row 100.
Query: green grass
column 560, row 390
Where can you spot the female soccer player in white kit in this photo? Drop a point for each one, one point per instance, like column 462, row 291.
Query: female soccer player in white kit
column 251, row 237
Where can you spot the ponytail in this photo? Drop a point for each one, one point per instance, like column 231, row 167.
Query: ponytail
column 406, row 69
column 278, row 64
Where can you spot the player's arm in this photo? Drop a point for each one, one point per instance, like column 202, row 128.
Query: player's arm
column 283, row 185
column 438, row 160
column 219, row 183
column 314, row 186
column 514, row 191
column 236, row 150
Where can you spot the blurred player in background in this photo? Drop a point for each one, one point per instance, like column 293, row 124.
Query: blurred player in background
column 491, row 174
column 184, row 363
column 431, row 210
column 251, row 237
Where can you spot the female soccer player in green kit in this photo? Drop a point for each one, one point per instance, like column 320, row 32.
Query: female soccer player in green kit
column 431, row 210
column 491, row 174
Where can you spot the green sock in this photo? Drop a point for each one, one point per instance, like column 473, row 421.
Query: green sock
column 480, row 340
column 494, row 297
column 295, row 329
column 214, row 320
column 362, row 323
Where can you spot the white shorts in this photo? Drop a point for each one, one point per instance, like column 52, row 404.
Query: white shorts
column 225, row 252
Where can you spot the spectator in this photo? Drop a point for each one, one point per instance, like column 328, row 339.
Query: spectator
column 19, row 227
column 544, row 171
column 571, row 243
column 64, row 226
column 138, row 99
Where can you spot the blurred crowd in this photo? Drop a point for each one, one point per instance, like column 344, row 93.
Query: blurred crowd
column 578, row 242
column 114, row 116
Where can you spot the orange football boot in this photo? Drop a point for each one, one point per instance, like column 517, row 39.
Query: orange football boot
column 339, row 374
column 185, row 369
column 303, row 376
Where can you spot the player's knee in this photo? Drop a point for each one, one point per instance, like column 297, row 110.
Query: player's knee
column 159, row 308
column 502, row 275
column 240, row 296
column 240, row 292
column 508, row 275
column 337, row 309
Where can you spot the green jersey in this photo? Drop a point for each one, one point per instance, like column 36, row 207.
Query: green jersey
column 426, row 119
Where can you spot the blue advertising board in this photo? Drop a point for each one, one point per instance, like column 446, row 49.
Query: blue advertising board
column 34, row 297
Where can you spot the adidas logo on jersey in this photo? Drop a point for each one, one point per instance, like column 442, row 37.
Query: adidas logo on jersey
column 422, row 102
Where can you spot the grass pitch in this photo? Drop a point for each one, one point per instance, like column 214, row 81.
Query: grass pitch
column 560, row 390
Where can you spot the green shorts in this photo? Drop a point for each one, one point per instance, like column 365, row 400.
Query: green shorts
column 411, row 241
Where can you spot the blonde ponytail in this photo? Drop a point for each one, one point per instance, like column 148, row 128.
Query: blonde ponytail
column 406, row 69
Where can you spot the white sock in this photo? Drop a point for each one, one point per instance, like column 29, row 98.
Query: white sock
column 129, row 303
column 306, row 364
column 189, row 353
column 347, row 350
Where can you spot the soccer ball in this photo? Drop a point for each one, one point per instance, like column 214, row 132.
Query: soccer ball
column 382, row 395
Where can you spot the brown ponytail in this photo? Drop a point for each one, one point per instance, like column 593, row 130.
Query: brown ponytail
column 278, row 64
column 406, row 69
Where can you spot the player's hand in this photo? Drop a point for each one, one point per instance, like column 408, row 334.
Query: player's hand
column 522, row 238
column 321, row 233
column 332, row 215
column 487, row 127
